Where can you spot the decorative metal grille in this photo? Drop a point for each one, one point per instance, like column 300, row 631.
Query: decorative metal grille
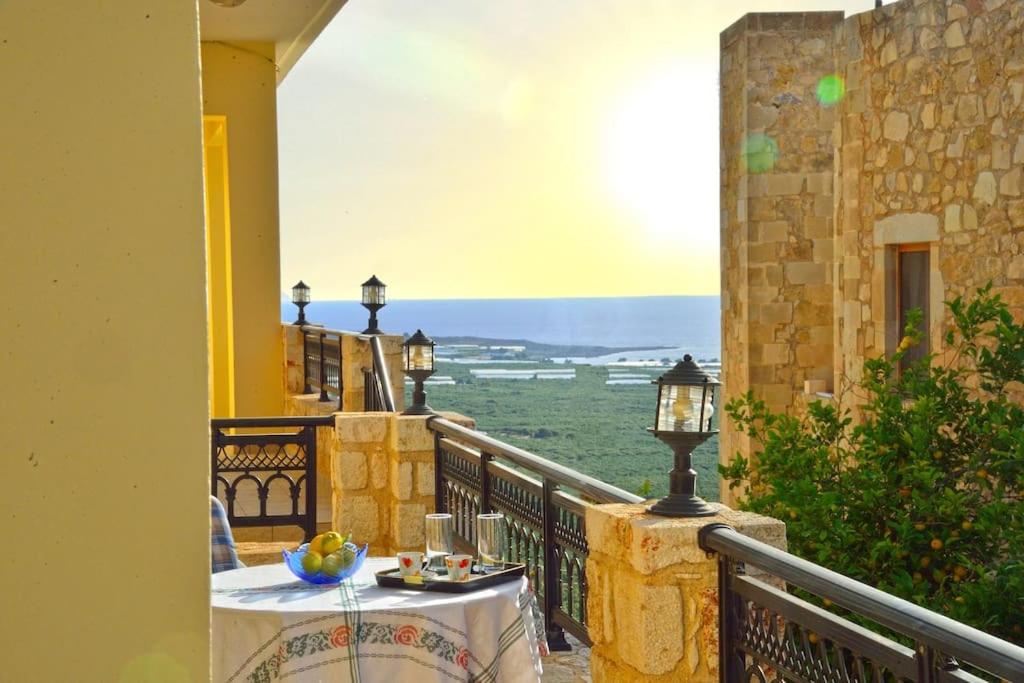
column 544, row 527
column 322, row 364
column 266, row 462
column 769, row 634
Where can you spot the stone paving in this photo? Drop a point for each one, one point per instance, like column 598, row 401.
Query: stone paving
column 568, row 667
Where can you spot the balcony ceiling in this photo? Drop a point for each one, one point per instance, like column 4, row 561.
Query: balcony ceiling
column 292, row 25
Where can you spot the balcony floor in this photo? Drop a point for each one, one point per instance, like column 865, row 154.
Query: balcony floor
column 568, row 667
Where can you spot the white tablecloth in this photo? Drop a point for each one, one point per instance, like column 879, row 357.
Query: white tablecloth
column 268, row 625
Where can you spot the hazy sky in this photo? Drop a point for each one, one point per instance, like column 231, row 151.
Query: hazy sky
column 477, row 148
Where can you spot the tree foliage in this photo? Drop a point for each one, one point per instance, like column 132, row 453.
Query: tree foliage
column 920, row 494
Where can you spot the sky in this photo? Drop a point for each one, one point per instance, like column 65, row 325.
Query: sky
column 463, row 149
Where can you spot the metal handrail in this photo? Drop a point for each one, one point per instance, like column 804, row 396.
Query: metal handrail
column 945, row 635
column 380, row 368
column 317, row 329
column 297, row 421
column 590, row 487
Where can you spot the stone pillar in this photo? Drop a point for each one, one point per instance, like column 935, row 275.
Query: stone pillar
column 294, row 368
column 777, row 209
column 652, row 603
column 382, row 478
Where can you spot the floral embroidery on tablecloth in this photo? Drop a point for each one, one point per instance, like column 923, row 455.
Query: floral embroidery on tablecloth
column 344, row 636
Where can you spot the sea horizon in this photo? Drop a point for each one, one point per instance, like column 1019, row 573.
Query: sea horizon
column 688, row 322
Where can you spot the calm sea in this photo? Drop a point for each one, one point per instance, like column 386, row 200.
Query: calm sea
column 690, row 323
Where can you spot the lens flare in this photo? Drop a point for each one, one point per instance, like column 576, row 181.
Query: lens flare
column 759, row 153
column 831, row 90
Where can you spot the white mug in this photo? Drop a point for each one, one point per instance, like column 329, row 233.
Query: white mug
column 459, row 567
column 410, row 563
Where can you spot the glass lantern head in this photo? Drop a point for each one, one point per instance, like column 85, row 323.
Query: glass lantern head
column 686, row 399
column 300, row 293
column 373, row 292
column 419, row 353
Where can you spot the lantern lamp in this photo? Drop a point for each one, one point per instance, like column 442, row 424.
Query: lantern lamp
column 300, row 297
column 418, row 363
column 373, row 301
column 686, row 403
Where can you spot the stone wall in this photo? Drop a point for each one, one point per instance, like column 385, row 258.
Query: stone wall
column 652, row 603
column 382, row 478
column 931, row 139
column 777, row 210
column 924, row 144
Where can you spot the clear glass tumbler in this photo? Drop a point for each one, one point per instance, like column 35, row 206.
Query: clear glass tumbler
column 438, row 531
column 490, row 543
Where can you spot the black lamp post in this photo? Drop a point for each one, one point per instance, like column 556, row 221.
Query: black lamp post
column 418, row 363
column 300, row 297
column 373, row 301
column 686, row 401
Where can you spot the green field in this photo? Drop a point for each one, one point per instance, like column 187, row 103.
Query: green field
column 598, row 429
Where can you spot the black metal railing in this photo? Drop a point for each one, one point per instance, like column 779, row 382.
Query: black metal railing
column 546, row 526
column 378, row 394
column 244, row 457
column 767, row 633
column 321, row 353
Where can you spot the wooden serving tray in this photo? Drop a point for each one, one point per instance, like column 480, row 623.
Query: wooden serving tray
column 390, row 578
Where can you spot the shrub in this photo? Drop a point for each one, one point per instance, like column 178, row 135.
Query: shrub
column 920, row 494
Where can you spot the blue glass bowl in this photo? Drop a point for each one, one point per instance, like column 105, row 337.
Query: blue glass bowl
column 294, row 562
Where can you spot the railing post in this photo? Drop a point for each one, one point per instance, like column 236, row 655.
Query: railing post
column 440, row 501
column 552, row 573
column 323, row 375
column 341, row 382
column 730, row 662
column 310, row 437
column 485, row 482
column 306, row 388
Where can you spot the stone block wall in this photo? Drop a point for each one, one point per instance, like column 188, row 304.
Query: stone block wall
column 652, row 603
column 382, row 478
column 931, row 140
column 777, row 210
column 926, row 145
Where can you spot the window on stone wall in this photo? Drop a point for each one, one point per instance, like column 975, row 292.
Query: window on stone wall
column 912, row 291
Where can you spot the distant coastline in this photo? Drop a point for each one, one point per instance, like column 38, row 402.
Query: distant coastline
column 587, row 327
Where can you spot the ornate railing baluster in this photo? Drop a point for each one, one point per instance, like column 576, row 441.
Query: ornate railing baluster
column 306, row 365
column 321, row 373
column 552, row 572
column 250, row 456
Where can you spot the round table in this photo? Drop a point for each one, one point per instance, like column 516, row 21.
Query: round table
column 267, row 624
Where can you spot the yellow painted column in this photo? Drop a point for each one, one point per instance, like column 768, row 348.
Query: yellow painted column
column 105, row 515
column 239, row 88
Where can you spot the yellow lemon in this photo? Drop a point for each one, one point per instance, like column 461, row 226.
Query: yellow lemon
column 331, row 542
column 311, row 562
column 316, row 545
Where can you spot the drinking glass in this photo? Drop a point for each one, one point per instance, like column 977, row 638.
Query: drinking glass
column 438, row 530
column 490, row 543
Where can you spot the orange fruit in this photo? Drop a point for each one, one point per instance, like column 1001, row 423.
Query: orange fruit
column 936, row 544
column 316, row 545
column 925, row 561
column 966, row 526
column 920, row 526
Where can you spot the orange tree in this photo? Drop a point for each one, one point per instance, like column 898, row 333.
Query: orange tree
column 919, row 496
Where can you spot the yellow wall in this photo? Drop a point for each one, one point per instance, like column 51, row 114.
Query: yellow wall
column 239, row 82
column 104, row 514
